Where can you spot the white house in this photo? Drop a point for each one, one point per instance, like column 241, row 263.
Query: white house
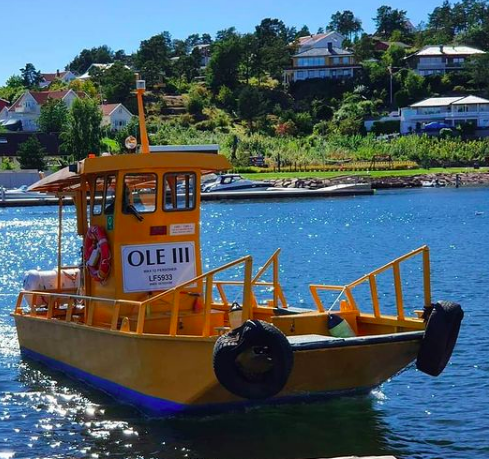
column 440, row 59
column 116, row 116
column 321, row 56
column 27, row 107
column 451, row 111
column 48, row 78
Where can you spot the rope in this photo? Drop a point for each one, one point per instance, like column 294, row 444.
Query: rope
column 337, row 299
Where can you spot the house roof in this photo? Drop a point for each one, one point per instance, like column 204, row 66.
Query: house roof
column 445, row 101
column 318, row 52
column 447, row 50
column 42, row 97
column 108, row 109
column 310, row 40
column 53, row 76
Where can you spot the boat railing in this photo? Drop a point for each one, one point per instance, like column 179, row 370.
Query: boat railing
column 209, row 283
column 371, row 279
column 53, row 300
column 278, row 294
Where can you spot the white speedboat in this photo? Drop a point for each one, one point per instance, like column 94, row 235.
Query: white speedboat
column 234, row 182
column 21, row 193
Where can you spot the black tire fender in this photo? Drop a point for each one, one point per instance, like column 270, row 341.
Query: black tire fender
column 253, row 361
column 440, row 337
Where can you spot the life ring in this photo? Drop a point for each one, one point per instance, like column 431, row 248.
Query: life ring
column 253, row 361
column 96, row 251
column 440, row 337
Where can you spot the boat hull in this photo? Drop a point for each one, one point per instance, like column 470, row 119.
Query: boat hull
column 162, row 375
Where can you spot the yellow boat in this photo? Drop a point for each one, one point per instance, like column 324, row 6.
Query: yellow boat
column 140, row 320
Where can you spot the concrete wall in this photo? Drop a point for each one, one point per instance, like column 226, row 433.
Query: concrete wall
column 14, row 179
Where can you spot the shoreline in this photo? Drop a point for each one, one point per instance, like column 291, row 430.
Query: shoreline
column 388, row 182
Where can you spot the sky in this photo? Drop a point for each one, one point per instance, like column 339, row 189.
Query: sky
column 50, row 34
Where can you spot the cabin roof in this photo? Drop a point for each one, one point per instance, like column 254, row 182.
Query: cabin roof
column 64, row 180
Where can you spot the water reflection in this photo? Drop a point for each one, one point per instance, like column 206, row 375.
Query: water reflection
column 70, row 416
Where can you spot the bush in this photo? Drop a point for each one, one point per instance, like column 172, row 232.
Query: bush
column 386, row 127
column 31, row 154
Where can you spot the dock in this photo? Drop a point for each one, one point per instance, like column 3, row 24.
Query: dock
column 216, row 196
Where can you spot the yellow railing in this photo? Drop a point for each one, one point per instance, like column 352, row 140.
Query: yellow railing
column 208, row 280
column 278, row 294
column 371, row 278
column 56, row 299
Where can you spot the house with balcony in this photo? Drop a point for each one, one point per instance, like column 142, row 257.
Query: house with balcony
column 440, row 59
column 27, row 107
column 321, row 56
column 451, row 111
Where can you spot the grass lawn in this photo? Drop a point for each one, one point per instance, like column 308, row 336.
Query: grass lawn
column 396, row 173
column 111, row 144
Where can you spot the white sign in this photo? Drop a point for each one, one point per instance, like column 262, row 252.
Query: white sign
column 152, row 267
column 182, row 228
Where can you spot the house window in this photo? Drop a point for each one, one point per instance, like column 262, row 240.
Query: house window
column 458, row 60
column 110, row 186
column 346, row 60
column 179, row 191
column 301, row 75
column 336, row 60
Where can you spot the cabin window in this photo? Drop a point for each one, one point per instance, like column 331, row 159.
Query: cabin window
column 110, row 185
column 139, row 193
column 179, row 193
column 98, row 194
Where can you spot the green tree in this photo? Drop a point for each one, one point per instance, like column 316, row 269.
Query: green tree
column 30, row 76
column 250, row 104
column 272, row 48
column 13, row 88
column 153, row 58
column 364, row 48
column 223, row 68
column 477, row 69
column 394, row 56
column 53, row 117
column 82, row 133
column 389, row 19
column 118, row 83
column 97, row 55
column 345, row 23
column 31, row 154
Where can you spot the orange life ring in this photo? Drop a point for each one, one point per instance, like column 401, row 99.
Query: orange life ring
column 96, row 251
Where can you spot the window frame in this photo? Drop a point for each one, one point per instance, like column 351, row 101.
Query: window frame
column 93, row 201
column 156, row 193
column 187, row 198
column 105, row 193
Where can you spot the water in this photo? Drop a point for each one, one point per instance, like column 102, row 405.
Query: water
column 44, row 414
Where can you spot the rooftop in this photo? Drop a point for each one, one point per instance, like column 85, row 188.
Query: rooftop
column 317, row 52
column 447, row 50
column 446, row 101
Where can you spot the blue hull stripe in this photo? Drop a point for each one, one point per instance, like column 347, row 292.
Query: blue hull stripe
column 151, row 405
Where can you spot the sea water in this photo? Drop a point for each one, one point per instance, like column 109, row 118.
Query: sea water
column 334, row 241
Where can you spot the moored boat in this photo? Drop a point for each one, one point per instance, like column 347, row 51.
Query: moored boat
column 141, row 320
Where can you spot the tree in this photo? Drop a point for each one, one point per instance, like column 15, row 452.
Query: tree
column 394, row 56
column 97, row 55
column 272, row 53
column 31, row 154
column 303, row 32
column 441, row 19
column 345, row 23
column 30, row 76
column 478, row 71
column 53, row 117
column 223, row 68
column 117, row 83
column 389, row 19
column 250, row 104
column 82, row 132
column 153, row 58
column 13, row 88
column 364, row 48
